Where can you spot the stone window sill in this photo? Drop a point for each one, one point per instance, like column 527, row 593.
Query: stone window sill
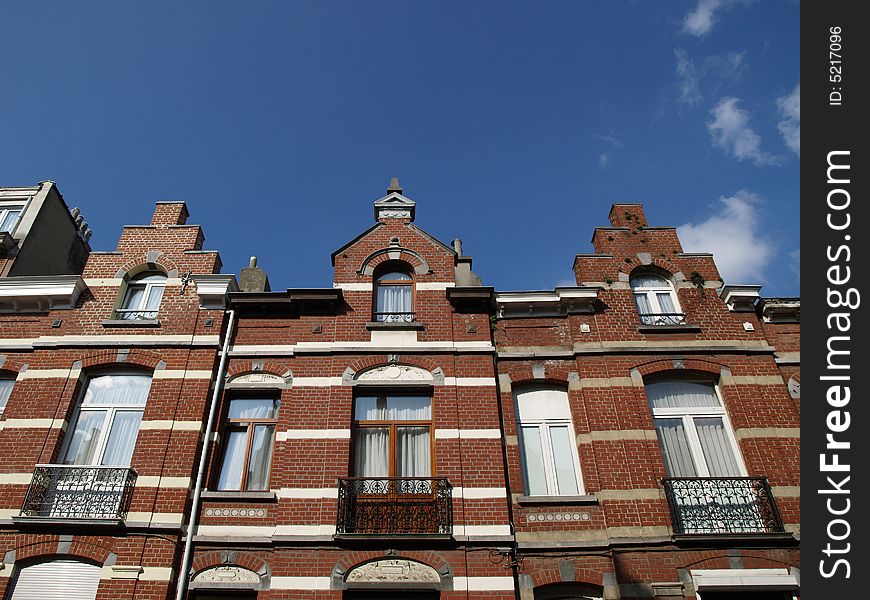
column 233, row 496
column 557, row 500
column 131, row 323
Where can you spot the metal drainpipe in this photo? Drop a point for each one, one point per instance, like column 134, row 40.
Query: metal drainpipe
column 197, row 490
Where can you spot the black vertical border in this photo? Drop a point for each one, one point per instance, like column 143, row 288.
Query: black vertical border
column 828, row 128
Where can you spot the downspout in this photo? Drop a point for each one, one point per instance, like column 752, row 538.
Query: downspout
column 203, row 459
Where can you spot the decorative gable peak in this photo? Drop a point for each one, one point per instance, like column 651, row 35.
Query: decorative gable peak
column 394, row 205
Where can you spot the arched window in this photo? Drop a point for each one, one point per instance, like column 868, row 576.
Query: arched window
column 394, row 296
column 549, row 448
column 142, row 298
column 106, row 423
column 656, row 301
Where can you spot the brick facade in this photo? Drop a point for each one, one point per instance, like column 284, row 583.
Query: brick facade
column 436, row 503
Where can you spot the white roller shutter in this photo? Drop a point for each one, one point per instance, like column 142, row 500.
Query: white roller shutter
column 57, row 580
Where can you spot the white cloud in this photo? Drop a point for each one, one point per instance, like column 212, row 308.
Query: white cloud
column 794, row 262
column 790, row 126
column 603, row 160
column 730, row 131
column 690, row 91
column 734, row 234
column 610, row 138
column 700, row 21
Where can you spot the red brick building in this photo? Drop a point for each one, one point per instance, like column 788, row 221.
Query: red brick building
column 408, row 432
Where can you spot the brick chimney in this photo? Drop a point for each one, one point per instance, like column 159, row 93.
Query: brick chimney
column 173, row 212
column 627, row 215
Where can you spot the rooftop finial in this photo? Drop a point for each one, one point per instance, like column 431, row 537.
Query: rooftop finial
column 394, row 186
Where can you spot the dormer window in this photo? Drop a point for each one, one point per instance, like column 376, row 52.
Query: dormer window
column 394, row 297
column 142, row 299
column 656, row 300
column 9, row 214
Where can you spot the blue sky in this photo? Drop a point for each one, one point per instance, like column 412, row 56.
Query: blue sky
column 514, row 125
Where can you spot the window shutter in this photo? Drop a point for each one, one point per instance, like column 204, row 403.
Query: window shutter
column 57, row 580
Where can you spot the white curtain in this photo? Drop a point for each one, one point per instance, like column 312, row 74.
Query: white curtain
column 643, row 305
column 372, row 452
column 252, row 408
column 666, row 303
column 230, row 477
column 412, row 458
column 6, row 386
column 563, row 460
column 117, row 390
column 534, row 457
column 85, row 438
column 647, row 280
column 9, row 220
column 675, row 448
column 393, row 299
column 154, row 297
column 261, row 458
column 122, row 438
column 717, row 449
column 393, row 408
column 681, row 394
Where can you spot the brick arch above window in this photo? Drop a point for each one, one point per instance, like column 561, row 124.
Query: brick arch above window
column 11, row 366
column 355, row 559
column 154, row 260
column 539, row 373
column 220, row 558
column 678, row 367
column 78, row 549
column 659, row 266
column 121, row 358
column 369, row 363
column 417, row 263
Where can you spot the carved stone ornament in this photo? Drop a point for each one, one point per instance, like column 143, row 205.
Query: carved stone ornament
column 794, row 387
column 260, row 378
column 227, row 574
column 393, row 373
column 393, row 571
column 395, row 214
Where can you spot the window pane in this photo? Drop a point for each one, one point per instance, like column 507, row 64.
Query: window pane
column 370, row 408
column 6, row 386
column 717, row 449
column 409, row 408
column 534, row 462
column 394, row 299
column 261, row 458
column 253, row 408
column 117, row 390
column 675, row 448
column 122, row 438
column 85, row 438
column 394, row 276
column 646, row 280
column 372, row 452
column 666, row 303
column 233, row 460
column 643, row 305
column 135, row 295
column 412, row 452
column 155, row 294
column 9, row 221
column 682, row 394
column 563, row 460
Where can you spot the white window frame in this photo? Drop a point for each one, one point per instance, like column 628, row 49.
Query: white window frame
column 651, row 293
column 109, row 420
column 544, row 426
column 6, row 208
column 688, row 416
column 147, row 286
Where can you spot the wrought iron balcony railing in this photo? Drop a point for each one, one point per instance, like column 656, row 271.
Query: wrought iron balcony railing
column 663, row 319
column 395, row 505
column 129, row 314
column 394, row 317
column 722, row 505
column 79, row 492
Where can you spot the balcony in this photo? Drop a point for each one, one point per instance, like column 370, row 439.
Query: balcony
column 722, row 505
column 395, row 506
column 393, row 317
column 79, row 492
column 663, row 319
column 130, row 314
